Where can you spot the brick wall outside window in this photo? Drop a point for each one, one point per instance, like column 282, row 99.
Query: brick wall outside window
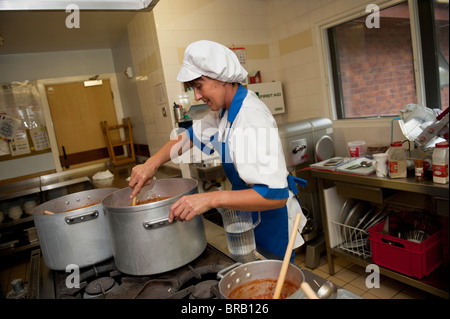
column 376, row 66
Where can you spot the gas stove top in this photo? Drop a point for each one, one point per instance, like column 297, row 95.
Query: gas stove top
column 196, row 280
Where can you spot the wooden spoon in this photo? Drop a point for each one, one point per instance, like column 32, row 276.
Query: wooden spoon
column 46, row 212
column 133, row 203
column 284, row 266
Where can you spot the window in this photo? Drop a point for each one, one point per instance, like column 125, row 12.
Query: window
column 441, row 38
column 372, row 61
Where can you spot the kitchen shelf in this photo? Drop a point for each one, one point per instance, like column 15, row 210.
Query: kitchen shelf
column 40, row 189
column 401, row 192
column 433, row 283
column 8, row 222
column 17, row 249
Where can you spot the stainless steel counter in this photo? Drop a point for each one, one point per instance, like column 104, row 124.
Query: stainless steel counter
column 408, row 184
column 71, row 177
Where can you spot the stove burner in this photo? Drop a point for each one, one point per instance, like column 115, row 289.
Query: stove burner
column 104, row 280
column 99, row 287
column 204, row 290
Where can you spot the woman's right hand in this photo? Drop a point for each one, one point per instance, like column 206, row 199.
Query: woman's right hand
column 141, row 175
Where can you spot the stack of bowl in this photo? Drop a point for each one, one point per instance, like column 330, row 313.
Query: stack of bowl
column 15, row 212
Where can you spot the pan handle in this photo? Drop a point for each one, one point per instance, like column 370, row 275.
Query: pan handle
column 81, row 218
column 153, row 224
column 222, row 272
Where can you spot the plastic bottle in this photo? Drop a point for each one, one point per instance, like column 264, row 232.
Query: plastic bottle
column 440, row 163
column 397, row 160
column 418, row 170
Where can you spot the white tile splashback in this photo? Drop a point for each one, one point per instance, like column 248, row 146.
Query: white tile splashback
column 173, row 24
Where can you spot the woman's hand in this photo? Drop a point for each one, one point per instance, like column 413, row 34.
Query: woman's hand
column 141, row 175
column 187, row 207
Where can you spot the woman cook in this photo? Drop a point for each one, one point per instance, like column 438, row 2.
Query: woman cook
column 244, row 133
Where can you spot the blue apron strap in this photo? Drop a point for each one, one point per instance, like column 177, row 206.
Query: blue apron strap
column 292, row 185
column 294, row 181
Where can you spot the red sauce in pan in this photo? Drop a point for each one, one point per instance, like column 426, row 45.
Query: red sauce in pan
column 80, row 207
column 152, row 200
column 262, row 289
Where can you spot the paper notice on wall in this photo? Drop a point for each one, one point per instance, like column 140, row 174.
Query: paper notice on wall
column 4, row 148
column 20, row 145
column 240, row 53
column 242, row 57
column 8, row 127
column 40, row 138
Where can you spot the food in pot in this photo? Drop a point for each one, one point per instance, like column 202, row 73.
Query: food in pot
column 46, row 212
column 152, row 200
column 81, row 207
column 262, row 289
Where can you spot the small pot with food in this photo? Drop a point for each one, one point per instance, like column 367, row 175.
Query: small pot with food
column 258, row 279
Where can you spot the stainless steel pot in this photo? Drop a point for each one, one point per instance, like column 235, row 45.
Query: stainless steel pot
column 252, row 280
column 78, row 236
column 143, row 241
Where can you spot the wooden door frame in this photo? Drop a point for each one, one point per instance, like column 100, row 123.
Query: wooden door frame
column 46, row 107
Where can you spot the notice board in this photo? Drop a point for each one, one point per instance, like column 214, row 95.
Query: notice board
column 22, row 124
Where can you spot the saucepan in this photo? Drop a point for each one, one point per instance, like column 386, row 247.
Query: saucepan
column 75, row 232
column 143, row 240
column 257, row 280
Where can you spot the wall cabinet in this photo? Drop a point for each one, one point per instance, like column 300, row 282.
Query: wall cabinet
column 335, row 189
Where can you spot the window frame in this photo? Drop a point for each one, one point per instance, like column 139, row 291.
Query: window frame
column 420, row 15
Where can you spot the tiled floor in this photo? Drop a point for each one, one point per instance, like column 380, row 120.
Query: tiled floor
column 353, row 278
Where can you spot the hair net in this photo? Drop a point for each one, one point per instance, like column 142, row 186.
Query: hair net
column 213, row 60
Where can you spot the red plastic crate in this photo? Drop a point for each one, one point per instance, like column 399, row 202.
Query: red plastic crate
column 407, row 257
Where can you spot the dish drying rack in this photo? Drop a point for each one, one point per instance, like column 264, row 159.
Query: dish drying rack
column 352, row 239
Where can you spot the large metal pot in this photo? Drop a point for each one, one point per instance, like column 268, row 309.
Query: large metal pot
column 257, row 278
column 143, row 241
column 78, row 236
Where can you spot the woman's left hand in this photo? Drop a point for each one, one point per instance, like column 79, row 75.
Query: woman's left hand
column 187, row 207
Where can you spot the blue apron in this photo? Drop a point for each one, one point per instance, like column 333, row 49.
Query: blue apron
column 272, row 233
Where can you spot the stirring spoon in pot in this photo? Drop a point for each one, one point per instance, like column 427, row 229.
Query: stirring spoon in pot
column 284, row 267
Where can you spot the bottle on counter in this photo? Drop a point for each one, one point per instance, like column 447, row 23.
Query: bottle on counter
column 440, row 163
column 397, row 160
column 418, row 170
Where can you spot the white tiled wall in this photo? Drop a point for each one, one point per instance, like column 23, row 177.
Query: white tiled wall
column 173, row 24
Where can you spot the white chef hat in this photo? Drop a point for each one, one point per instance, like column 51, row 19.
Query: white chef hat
column 213, row 60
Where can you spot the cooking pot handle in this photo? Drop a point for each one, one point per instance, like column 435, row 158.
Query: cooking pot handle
column 223, row 272
column 81, row 218
column 152, row 224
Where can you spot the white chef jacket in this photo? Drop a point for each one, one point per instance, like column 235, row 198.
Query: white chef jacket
column 255, row 149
